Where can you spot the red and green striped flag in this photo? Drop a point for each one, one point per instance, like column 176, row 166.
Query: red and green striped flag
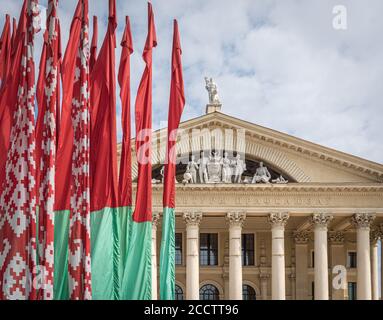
column 48, row 102
column 176, row 106
column 125, row 177
column 136, row 282
column 103, row 165
column 18, row 200
column 63, row 178
column 79, row 254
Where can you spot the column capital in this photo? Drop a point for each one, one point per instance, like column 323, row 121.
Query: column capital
column 336, row 237
column 321, row 219
column 362, row 220
column 278, row 218
column 375, row 235
column 192, row 218
column 156, row 216
column 301, row 237
column 264, row 276
column 236, row 218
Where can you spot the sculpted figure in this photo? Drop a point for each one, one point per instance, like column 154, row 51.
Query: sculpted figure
column 192, row 167
column 202, row 168
column 239, row 168
column 226, row 168
column 262, row 174
column 187, row 177
column 280, row 180
column 211, row 88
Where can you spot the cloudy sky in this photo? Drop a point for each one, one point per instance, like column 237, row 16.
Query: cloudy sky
column 277, row 63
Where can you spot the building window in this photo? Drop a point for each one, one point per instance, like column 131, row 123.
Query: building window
column 312, row 290
column 178, row 293
column 248, row 292
column 312, row 259
column 208, row 292
column 248, row 249
column 209, row 249
column 178, row 245
column 351, row 259
column 352, row 291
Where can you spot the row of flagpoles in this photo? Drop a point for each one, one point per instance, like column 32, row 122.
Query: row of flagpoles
column 68, row 229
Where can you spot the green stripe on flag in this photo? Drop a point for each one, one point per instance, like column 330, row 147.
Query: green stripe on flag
column 167, row 255
column 105, row 253
column 137, row 278
column 61, row 290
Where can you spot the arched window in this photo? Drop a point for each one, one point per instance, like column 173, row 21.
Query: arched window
column 208, row 292
column 178, row 293
column 248, row 292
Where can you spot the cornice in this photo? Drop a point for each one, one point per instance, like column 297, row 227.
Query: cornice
column 279, row 189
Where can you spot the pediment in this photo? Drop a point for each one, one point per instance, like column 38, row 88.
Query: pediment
column 299, row 160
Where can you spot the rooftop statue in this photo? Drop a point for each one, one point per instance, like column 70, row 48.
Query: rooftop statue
column 211, row 88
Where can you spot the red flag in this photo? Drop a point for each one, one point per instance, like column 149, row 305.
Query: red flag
column 103, row 159
column 65, row 138
column 46, row 145
column 5, row 51
column 79, row 262
column 14, row 30
column 8, row 98
column 93, row 47
column 143, row 208
column 18, row 199
column 176, row 106
column 125, row 178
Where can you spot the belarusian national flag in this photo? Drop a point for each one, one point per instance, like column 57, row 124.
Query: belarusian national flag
column 48, row 84
column 93, row 47
column 5, row 51
column 136, row 283
column 125, row 178
column 79, row 260
column 103, row 166
column 176, row 106
column 63, row 178
column 18, row 199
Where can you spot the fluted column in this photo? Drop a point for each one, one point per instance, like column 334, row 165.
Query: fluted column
column 321, row 221
column 235, row 220
column 278, row 279
column 381, row 264
column 301, row 251
column 374, row 237
column 192, row 220
column 362, row 222
column 336, row 240
column 155, row 221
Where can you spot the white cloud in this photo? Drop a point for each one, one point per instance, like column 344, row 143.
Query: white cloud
column 277, row 63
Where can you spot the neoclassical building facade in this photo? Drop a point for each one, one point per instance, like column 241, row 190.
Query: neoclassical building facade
column 302, row 221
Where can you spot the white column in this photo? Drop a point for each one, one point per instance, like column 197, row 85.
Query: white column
column 155, row 220
column 381, row 261
column 278, row 279
column 235, row 220
column 374, row 237
column 362, row 222
column 192, row 220
column 301, row 269
column 320, row 221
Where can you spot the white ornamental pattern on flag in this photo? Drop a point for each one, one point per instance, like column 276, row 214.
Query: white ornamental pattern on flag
column 19, row 200
column 79, row 229
column 48, row 155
